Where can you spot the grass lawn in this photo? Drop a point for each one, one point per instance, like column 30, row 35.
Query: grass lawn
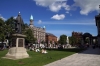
column 37, row 59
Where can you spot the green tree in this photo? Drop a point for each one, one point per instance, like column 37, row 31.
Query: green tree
column 63, row 39
column 24, row 27
column 10, row 28
column 72, row 40
column 30, row 37
column 11, row 25
column 79, row 40
column 2, row 30
column 87, row 40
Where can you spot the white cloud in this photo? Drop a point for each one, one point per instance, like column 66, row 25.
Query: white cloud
column 44, row 3
column 53, row 5
column 58, row 17
column 67, row 7
column 40, row 21
column 87, row 6
column 2, row 17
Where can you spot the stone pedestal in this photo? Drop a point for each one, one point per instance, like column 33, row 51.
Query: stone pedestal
column 17, row 51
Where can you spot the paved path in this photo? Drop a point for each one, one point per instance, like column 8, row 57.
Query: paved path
column 90, row 57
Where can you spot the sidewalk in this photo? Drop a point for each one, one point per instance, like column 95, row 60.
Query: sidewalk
column 90, row 57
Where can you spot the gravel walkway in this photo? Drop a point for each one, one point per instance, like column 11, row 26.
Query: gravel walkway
column 90, row 57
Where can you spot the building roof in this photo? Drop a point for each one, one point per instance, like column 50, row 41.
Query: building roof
column 50, row 34
column 87, row 34
column 31, row 18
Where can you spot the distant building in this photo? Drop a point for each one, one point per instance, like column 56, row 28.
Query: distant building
column 39, row 33
column 77, row 34
column 57, row 39
column 50, row 38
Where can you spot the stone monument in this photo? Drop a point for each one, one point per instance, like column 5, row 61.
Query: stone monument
column 97, row 19
column 17, row 51
column 67, row 40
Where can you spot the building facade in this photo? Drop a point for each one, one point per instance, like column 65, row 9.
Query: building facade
column 77, row 34
column 38, row 32
column 50, row 38
column 78, row 37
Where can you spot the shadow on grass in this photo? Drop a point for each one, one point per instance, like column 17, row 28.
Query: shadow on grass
column 92, row 51
column 76, row 50
column 95, row 51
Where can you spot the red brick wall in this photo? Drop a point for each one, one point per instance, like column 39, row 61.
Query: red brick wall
column 51, row 38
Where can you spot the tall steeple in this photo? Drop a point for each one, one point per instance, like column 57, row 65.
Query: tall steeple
column 31, row 21
column 31, row 18
column 19, row 13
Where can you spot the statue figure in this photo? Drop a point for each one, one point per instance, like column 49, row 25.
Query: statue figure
column 97, row 18
column 67, row 40
column 18, row 24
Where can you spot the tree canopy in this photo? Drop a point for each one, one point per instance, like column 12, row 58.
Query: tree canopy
column 7, row 28
column 2, row 30
column 30, row 37
column 63, row 39
column 74, row 41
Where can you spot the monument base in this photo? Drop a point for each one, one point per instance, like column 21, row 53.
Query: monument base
column 16, row 53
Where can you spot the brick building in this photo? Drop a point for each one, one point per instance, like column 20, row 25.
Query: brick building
column 50, row 39
column 77, row 34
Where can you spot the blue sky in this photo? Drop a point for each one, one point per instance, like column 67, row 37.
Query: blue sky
column 58, row 16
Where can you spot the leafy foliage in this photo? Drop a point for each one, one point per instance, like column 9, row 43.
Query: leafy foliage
column 72, row 40
column 30, row 37
column 63, row 39
column 87, row 40
column 10, row 26
column 2, row 30
column 7, row 28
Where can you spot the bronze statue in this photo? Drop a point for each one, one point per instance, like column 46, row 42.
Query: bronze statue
column 97, row 20
column 18, row 24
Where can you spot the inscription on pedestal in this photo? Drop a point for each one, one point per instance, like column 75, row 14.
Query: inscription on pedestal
column 14, row 42
column 20, row 43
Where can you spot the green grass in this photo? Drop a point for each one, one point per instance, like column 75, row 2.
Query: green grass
column 37, row 59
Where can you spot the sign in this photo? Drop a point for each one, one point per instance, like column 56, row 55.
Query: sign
column 20, row 42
